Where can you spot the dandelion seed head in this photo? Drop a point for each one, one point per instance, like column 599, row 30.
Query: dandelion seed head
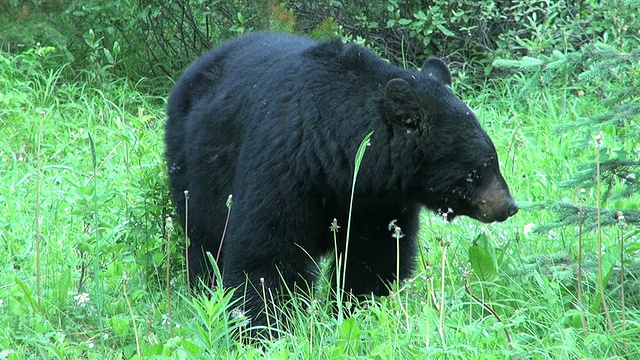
column 598, row 139
column 528, row 228
column 4, row 354
column 82, row 299
column 392, row 224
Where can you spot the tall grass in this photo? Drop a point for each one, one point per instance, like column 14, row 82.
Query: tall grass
column 103, row 207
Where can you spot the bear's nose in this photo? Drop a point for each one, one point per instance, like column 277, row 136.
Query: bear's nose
column 507, row 210
column 512, row 210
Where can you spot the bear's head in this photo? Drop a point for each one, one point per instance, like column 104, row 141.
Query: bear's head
column 457, row 171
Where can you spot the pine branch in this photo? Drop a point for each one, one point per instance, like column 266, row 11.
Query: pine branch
column 611, row 75
column 569, row 214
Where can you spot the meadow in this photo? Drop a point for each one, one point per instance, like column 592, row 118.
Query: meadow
column 92, row 265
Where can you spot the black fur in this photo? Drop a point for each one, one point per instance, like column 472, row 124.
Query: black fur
column 276, row 121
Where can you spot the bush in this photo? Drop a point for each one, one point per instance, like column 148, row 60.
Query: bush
column 161, row 37
column 470, row 34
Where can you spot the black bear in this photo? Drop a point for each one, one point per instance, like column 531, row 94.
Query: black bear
column 276, row 120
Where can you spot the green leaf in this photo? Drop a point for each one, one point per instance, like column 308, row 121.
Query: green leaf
column 624, row 204
column 444, row 30
column 158, row 257
column 116, row 48
column 482, row 256
column 89, row 38
column 526, row 63
column 107, row 54
column 360, row 153
column 420, row 15
column 28, row 294
column 349, row 334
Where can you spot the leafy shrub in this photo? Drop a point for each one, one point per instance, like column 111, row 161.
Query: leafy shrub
column 470, row 34
column 161, row 37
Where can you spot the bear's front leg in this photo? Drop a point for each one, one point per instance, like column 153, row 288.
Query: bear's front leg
column 378, row 240
column 264, row 267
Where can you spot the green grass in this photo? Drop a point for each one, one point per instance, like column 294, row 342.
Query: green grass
column 104, row 229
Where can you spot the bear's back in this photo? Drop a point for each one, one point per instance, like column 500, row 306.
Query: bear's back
column 228, row 62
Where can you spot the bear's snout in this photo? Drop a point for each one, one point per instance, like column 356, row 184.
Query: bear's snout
column 489, row 211
column 494, row 203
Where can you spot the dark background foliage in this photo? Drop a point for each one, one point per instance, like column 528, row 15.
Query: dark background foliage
column 160, row 37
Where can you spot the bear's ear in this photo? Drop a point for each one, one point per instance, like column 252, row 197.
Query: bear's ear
column 401, row 103
column 438, row 69
column 325, row 50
